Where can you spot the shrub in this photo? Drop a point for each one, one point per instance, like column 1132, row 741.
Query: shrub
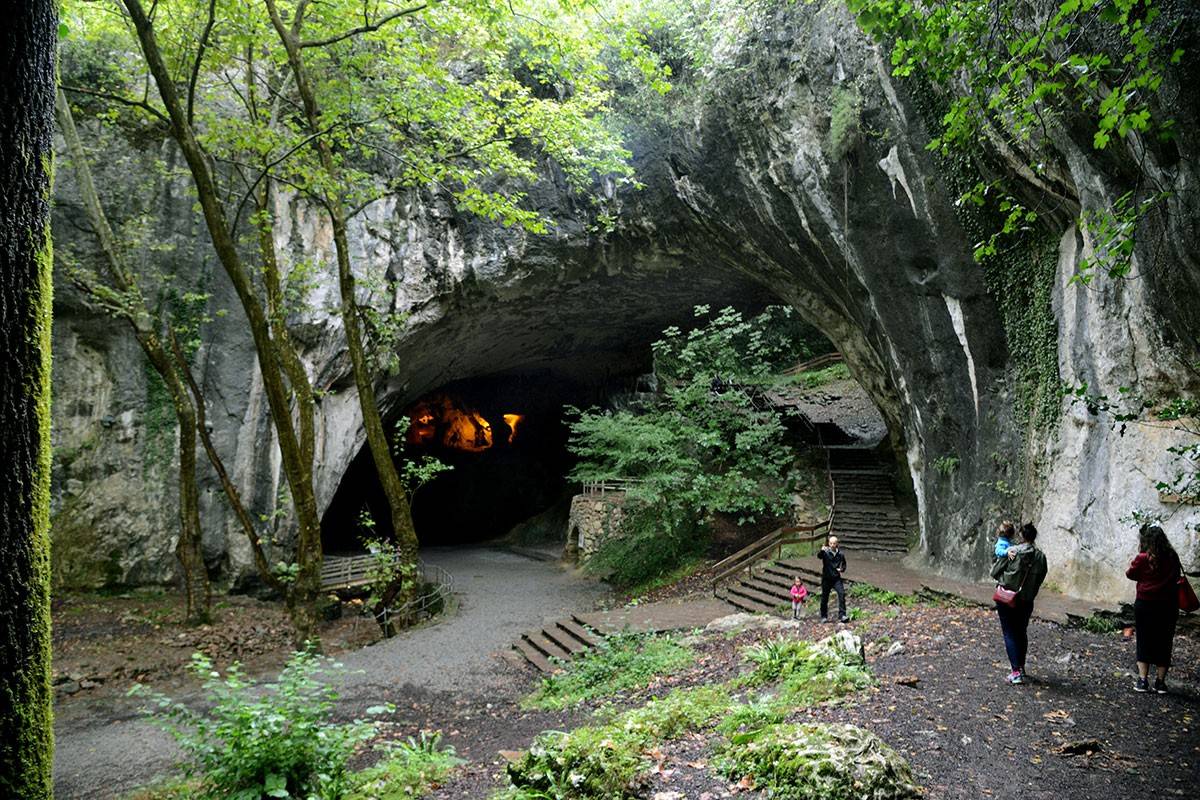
column 829, row 761
column 410, row 769
column 609, row 761
column 804, row 672
column 275, row 740
column 883, row 596
column 1098, row 623
column 618, row 662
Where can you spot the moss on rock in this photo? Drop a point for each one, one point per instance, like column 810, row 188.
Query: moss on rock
column 814, row 760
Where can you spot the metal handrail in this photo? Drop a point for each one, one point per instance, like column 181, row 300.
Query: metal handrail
column 441, row 584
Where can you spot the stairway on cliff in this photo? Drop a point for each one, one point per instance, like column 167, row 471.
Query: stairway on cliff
column 865, row 514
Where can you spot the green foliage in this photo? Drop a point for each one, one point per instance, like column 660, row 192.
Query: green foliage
column 946, row 465
column 251, row 741
column 409, row 770
column 1022, row 281
column 832, row 762
column 845, row 121
column 619, row 662
column 607, row 761
column 1105, row 59
column 709, row 444
column 884, row 597
column 158, row 423
column 654, row 543
column 813, row 379
column 1098, row 623
column 796, row 661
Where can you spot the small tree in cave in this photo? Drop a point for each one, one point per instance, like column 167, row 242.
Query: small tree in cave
column 709, row 444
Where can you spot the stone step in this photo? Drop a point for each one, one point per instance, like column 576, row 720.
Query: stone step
column 741, row 589
column 533, row 656
column 564, row 640
column 769, row 588
column 746, row 604
column 547, row 648
column 584, row 635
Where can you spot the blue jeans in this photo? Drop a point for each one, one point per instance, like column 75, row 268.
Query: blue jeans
column 1014, row 622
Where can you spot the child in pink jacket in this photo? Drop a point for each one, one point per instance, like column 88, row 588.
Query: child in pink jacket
column 799, row 595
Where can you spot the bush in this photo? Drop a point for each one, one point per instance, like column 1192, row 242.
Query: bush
column 829, row 761
column 252, row 741
column 609, row 761
column 805, row 673
column 619, row 662
column 652, row 544
column 409, row 770
column 883, row 596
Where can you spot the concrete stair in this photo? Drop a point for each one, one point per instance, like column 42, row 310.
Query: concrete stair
column 547, row 647
column 866, row 517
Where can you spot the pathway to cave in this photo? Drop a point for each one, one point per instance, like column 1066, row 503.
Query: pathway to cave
column 105, row 749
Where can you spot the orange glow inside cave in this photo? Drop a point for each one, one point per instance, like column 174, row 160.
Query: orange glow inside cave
column 445, row 420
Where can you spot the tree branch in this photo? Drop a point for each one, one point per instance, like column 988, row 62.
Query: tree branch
column 367, row 28
column 195, row 76
column 116, row 98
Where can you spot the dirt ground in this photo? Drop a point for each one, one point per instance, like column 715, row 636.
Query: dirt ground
column 105, row 643
column 942, row 702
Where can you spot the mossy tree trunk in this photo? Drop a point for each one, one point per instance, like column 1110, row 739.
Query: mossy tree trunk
column 121, row 296
column 403, row 586
column 285, row 382
column 27, row 76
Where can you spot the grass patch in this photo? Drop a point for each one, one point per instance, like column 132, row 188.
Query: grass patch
column 819, row 377
column 619, row 662
column 609, row 761
column 173, row 789
column 829, row 761
column 804, row 673
column 686, row 569
column 1098, row 623
column 409, row 770
column 884, row 597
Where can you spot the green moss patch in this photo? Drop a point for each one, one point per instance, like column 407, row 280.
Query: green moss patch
column 826, row 761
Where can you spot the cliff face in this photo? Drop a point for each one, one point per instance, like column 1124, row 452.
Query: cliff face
column 758, row 195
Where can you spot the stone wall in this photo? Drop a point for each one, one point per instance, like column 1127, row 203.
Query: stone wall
column 594, row 519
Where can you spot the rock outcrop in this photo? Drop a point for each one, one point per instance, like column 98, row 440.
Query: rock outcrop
column 752, row 200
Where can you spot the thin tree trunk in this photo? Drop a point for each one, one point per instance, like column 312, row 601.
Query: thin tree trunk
column 132, row 308
column 377, row 438
column 27, row 78
column 275, row 357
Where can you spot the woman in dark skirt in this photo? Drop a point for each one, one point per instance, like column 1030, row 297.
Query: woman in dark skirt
column 1156, row 569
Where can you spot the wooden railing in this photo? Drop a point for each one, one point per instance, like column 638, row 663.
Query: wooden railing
column 819, row 362
column 751, row 554
column 344, row 572
column 610, row 485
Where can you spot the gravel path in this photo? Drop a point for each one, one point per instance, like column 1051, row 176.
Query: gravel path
column 105, row 748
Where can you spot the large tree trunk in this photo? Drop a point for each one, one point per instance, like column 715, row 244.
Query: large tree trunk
column 27, row 77
column 132, row 308
column 401, row 589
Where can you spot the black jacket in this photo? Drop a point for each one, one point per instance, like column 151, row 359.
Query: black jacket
column 834, row 564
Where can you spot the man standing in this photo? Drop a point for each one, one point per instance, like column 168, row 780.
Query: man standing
column 833, row 564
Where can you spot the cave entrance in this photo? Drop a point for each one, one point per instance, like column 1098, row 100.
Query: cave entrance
column 504, row 438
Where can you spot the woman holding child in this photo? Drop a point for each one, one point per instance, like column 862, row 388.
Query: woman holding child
column 1020, row 570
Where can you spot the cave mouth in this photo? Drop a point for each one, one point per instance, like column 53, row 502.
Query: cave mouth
column 504, row 438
